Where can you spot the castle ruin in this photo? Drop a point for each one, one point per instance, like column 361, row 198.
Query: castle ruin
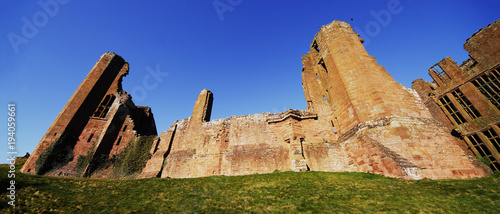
column 466, row 98
column 358, row 119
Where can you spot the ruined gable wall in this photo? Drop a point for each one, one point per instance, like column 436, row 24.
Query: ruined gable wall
column 97, row 120
column 75, row 114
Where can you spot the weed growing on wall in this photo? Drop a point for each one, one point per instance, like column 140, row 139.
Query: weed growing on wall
column 56, row 155
column 83, row 161
column 130, row 161
column 485, row 160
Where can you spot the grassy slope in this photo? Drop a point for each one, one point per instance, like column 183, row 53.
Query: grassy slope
column 310, row 192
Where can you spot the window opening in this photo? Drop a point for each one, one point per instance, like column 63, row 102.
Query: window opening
column 118, row 141
column 103, row 108
column 322, row 63
column 440, row 73
column 317, row 77
column 483, row 151
column 333, row 125
column 315, row 46
column 124, row 128
column 324, row 98
column 489, row 86
column 90, row 137
column 493, row 138
column 466, row 104
column 448, row 106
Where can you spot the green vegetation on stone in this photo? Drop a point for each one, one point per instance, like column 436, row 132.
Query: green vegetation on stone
column 282, row 192
column 83, row 161
column 485, row 160
column 129, row 162
column 55, row 155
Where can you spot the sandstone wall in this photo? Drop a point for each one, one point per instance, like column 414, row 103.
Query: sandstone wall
column 465, row 97
column 99, row 119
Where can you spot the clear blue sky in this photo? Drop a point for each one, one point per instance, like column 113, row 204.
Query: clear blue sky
column 250, row 59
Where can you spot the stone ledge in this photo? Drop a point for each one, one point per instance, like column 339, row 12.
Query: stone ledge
column 297, row 114
column 381, row 122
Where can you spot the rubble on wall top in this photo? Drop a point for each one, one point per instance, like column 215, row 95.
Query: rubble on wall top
column 298, row 114
column 482, row 29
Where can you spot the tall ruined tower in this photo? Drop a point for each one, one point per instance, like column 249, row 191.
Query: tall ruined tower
column 342, row 82
column 100, row 117
column 373, row 115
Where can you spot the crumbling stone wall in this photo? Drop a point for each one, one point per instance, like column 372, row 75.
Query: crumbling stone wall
column 239, row 145
column 99, row 116
column 463, row 97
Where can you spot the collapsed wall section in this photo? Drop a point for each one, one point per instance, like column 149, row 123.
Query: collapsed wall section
column 239, row 145
column 233, row 146
column 466, row 97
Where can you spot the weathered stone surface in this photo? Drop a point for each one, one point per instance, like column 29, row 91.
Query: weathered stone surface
column 99, row 116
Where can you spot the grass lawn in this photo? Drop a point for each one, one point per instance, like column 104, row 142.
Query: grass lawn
column 308, row 192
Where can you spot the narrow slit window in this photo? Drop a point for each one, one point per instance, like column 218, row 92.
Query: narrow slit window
column 124, row 128
column 324, row 98
column 333, row 125
column 466, row 104
column 317, row 77
column 489, row 86
column 90, row 137
column 322, row 63
column 452, row 111
column 118, row 141
column 315, row 46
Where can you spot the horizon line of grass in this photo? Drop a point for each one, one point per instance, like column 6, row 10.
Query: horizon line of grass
column 304, row 192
